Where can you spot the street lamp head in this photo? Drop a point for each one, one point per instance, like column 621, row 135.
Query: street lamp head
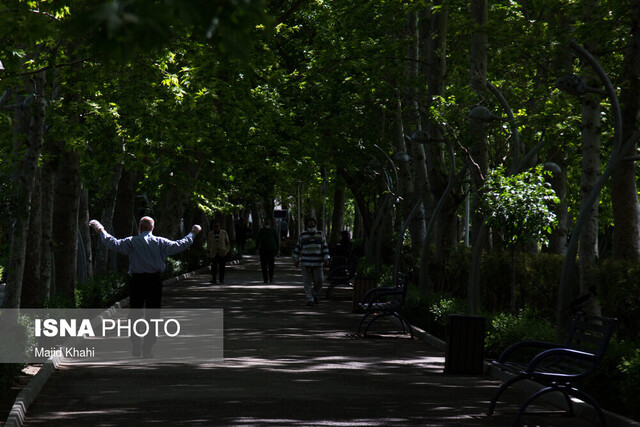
column 482, row 114
column 552, row 167
column 421, row 137
column 571, row 84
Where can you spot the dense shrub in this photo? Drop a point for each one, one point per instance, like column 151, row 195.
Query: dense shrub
column 101, row 290
column 505, row 329
column 175, row 267
column 616, row 282
column 430, row 312
column 537, row 281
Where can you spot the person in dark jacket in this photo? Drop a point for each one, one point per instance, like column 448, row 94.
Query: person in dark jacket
column 268, row 245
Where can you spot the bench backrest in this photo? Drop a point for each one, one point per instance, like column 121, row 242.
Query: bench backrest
column 590, row 334
column 401, row 285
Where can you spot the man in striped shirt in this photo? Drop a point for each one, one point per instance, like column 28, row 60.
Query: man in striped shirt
column 312, row 253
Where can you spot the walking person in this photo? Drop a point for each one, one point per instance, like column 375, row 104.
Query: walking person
column 219, row 246
column 268, row 244
column 147, row 254
column 241, row 234
column 312, row 253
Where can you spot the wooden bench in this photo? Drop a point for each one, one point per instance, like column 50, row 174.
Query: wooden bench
column 558, row 367
column 384, row 301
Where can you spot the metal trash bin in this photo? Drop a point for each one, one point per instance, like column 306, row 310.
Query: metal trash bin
column 464, row 351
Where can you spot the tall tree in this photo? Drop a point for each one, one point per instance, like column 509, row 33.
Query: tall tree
column 624, row 193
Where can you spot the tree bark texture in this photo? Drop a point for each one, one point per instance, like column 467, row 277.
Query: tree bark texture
column 337, row 219
column 624, row 193
column 31, row 296
column 124, row 221
column 65, row 220
column 477, row 130
column 46, row 256
column 85, row 271
column 417, row 227
column 101, row 253
column 28, row 137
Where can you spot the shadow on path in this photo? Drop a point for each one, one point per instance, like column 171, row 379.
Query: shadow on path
column 285, row 364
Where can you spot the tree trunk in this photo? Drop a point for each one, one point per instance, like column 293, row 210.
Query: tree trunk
column 417, row 226
column 558, row 237
column 173, row 203
column 124, row 222
column 31, row 296
column 337, row 220
column 405, row 184
column 591, row 129
column 101, row 258
column 590, row 173
column 65, row 219
column 28, row 135
column 478, row 150
column 624, row 194
column 478, row 130
column 446, row 224
column 83, row 225
column 46, row 256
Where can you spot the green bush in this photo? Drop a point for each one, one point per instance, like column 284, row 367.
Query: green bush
column 430, row 312
column 175, row 267
column 250, row 246
column 101, row 290
column 506, row 329
column 630, row 383
column 616, row 382
column 618, row 290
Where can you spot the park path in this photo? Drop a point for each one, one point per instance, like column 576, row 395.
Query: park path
column 285, row 364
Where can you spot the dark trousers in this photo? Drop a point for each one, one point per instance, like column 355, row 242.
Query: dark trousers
column 217, row 265
column 267, row 262
column 145, row 292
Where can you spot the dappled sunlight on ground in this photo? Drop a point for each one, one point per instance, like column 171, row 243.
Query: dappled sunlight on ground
column 285, row 364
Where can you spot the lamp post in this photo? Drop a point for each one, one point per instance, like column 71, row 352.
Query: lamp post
column 390, row 196
column 574, row 86
column 482, row 114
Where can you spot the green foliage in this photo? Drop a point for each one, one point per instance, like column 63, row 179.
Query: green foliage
column 630, row 384
column 536, row 278
column 519, row 206
column 616, row 382
column 618, row 289
column 506, row 329
column 101, row 291
column 430, row 312
column 175, row 267
column 18, row 331
column 446, row 306
column 366, row 269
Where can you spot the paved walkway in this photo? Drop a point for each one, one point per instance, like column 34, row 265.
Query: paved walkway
column 285, row 364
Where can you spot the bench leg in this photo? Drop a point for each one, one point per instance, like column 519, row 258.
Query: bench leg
column 500, row 390
column 539, row 393
column 586, row 398
column 362, row 322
